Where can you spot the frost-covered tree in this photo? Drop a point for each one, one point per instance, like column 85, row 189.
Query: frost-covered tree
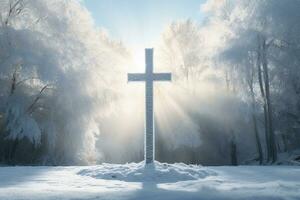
column 246, row 55
column 181, row 45
column 187, row 44
column 54, row 68
column 261, row 40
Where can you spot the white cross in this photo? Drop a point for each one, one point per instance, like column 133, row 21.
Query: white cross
column 149, row 77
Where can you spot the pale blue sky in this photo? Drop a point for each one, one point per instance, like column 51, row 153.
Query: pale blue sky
column 139, row 23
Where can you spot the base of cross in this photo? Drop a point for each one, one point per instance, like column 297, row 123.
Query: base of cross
column 149, row 160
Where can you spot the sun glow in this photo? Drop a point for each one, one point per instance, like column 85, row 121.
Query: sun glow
column 138, row 54
column 172, row 106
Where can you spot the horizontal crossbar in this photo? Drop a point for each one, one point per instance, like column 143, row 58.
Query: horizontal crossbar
column 153, row 77
column 162, row 77
column 137, row 77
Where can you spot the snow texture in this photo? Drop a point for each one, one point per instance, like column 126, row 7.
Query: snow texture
column 159, row 181
column 158, row 172
column 20, row 125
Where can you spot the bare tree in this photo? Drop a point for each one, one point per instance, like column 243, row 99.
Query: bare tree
column 15, row 9
column 264, row 83
column 251, row 84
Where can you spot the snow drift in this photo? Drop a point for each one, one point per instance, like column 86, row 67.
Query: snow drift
column 157, row 172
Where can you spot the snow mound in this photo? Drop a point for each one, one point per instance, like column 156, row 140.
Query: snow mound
column 139, row 172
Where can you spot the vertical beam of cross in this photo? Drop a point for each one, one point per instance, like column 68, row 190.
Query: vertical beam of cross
column 149, row 77
column 150, row 137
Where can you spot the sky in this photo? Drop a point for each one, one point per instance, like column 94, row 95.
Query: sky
column 139, row 23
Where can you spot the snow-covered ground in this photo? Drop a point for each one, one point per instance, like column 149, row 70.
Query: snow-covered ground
column 162, row 181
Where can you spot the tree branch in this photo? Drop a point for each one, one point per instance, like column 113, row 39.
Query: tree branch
column 26, row 79
column 30, row 108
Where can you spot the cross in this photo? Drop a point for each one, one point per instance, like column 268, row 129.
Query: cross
column 149, row 77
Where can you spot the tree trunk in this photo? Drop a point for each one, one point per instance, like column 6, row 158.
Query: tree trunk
column 272, row 143
column 262, row 90
column 257, row 138
column 12, row 151
column 256, row 133
column 233, row 152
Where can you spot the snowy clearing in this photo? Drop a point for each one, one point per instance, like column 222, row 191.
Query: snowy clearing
column 162, row 181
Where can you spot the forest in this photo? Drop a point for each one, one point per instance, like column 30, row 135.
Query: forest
column 234, row 98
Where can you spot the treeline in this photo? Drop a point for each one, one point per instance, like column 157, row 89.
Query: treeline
column 247, row 53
